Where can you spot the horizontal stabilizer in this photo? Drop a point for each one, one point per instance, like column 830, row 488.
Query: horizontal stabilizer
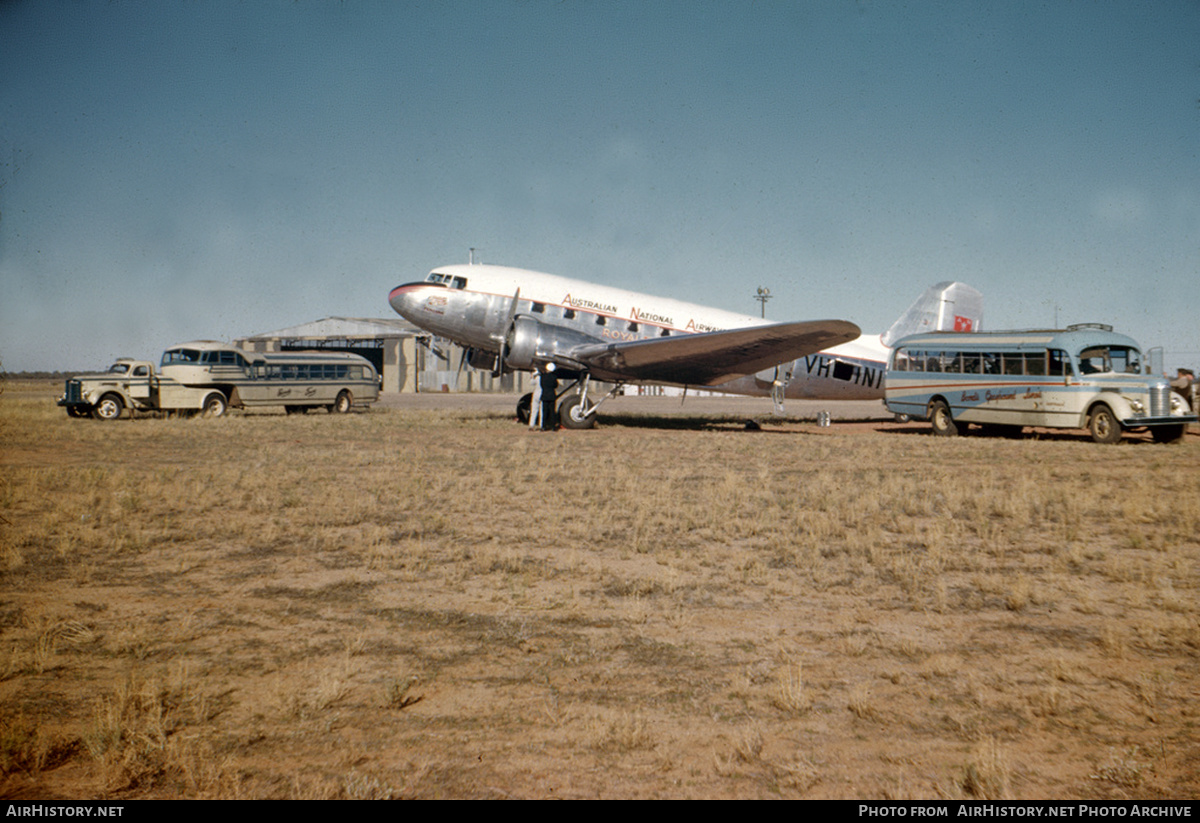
column 714, row 357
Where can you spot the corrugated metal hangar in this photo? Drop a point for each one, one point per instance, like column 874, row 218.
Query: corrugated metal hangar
column 410, row 360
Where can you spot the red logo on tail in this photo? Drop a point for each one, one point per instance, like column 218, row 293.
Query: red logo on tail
column 962, row 323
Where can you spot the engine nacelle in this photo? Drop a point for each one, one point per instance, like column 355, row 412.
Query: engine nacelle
column 530, row 342
column 480, row 359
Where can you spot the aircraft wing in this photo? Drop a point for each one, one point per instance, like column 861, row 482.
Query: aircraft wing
column 713, row 357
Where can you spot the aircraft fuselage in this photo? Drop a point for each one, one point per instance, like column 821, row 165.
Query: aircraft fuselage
column 474, row 305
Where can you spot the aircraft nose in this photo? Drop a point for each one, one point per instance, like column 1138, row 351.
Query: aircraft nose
column 403, row 298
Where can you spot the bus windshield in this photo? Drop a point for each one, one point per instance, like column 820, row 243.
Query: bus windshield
column 1104, row 359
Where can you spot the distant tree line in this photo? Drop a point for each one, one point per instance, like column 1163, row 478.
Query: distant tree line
column 37, row 375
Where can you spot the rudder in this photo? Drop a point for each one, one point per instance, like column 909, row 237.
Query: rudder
column 947, row 306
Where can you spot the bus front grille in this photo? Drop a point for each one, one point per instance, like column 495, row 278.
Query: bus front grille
column 1160, row 400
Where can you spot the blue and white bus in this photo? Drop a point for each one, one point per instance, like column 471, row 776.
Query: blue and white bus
column 1084, row 376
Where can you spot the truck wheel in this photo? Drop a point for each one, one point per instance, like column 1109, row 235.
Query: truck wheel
column 109, row 407
column 214, row 405
column 1104, row 426
column 343, row 403
column 943, row 423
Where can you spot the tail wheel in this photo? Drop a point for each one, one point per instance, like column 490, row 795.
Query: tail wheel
column 109, row 407
column 943, row 423
column 214, row 405
column 1104, row 426
column 343, row 403
column 570, row 414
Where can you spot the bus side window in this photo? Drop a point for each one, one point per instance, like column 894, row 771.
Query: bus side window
column 1035, row 363
column 1013, row 363
column 1059, row 363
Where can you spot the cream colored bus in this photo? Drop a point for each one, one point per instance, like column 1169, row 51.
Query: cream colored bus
column 209, row 377
column 298, row 381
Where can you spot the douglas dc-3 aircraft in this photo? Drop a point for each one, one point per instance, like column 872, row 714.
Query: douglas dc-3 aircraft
column 512, row 319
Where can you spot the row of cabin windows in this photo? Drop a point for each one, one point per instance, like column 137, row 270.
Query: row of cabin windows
column 1044, row 363
column 455, row 282
column 601, row 319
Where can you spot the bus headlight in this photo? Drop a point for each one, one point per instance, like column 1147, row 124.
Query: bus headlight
column 1138, row 406
column 1177, row 404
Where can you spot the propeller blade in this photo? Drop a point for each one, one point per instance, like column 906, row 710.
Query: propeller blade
column 512, row 313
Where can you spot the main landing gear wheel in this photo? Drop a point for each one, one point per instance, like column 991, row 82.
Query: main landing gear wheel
column 943, row 423
column 570, row 414
column 524, row 409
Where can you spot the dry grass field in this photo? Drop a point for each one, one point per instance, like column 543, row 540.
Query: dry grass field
column 413, row 603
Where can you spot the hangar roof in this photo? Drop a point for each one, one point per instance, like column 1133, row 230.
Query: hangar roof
column 344, row 328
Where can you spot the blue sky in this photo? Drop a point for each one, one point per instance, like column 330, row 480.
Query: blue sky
column 181, row 170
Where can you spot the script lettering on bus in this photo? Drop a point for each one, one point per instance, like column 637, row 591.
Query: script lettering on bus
column 970, row 397
column 1032, row 395
column 989, row 396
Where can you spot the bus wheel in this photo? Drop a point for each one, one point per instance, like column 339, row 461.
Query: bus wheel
column 524, row 409
column 109, row 408
column 343, row 403
column 1104, row 426
column 214, row 405
column 1167, row 434
column 943, row 423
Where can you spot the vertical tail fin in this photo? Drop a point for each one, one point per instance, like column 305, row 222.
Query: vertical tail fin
column 947, row 306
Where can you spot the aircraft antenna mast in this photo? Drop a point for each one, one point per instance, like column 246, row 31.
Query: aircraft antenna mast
column 762, row 296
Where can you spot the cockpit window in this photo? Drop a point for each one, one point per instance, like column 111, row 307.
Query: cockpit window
column 118, row 368
column 446, row 279
column 1104, row 359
